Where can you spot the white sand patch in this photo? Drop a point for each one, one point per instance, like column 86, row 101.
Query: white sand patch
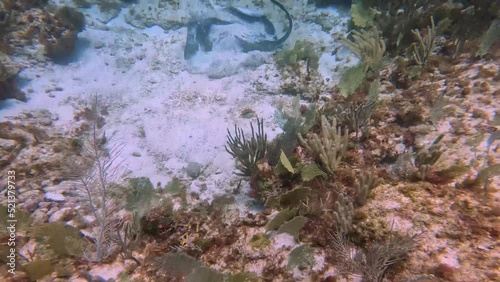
column 283, row 240
column 319, row 261
column 450, row 258
column 108, row 271
column 256, row 267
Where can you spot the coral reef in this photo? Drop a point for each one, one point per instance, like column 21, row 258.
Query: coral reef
column 299, row 70
column 59, row 40
column 425, row 46
column 22, row 5
column 24, row 25
column 369, row 48
column 390, row 176
column 316, row 227
column 55, row 30
column 397, row 21
column 8, row 84
column 302, row 51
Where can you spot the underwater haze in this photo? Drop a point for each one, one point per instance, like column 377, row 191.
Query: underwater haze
column 249, row 140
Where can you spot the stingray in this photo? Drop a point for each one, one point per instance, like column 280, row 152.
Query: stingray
column 198, row 35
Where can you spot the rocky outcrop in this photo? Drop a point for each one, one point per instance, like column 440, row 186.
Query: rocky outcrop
column 56, row 30
column 8, row 84
column 24, row 26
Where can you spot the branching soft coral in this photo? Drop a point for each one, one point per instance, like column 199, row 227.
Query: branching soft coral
column 95, row 185
column 330, row 147
column 247, row 151
column 368, row 47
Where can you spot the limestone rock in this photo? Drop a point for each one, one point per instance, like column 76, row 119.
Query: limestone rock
column 61, row 215
column 54, row 197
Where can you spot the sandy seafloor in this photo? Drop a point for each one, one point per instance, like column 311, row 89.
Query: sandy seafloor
column 169, row 113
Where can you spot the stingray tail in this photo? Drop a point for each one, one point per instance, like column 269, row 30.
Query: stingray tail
column 290, row 23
